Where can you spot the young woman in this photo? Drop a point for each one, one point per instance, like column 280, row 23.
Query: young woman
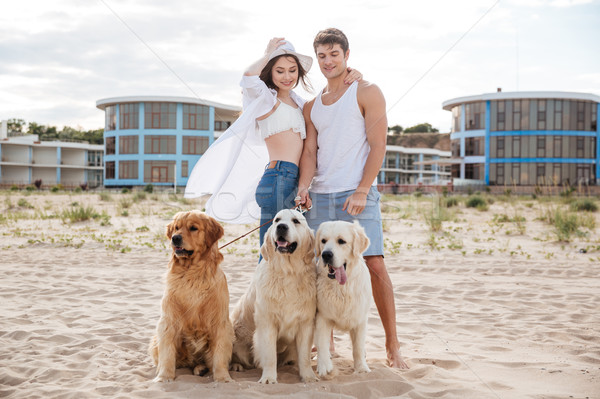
column 252, row 169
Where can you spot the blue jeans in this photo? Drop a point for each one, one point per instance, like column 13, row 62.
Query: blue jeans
column 276, row 191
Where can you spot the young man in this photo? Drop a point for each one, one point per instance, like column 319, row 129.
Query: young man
column 346, row 128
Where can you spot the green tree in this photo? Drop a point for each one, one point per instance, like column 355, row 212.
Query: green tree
column 421, row 128
column 396, row 129
column 48, row 133
column 15, row 125
column 94, row 136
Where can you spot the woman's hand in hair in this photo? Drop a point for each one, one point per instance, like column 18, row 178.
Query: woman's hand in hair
column 274, row 43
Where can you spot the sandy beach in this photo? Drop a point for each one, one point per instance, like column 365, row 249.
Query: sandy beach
column 491, row 302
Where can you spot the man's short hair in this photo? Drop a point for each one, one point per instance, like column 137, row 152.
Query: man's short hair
column 331, row 36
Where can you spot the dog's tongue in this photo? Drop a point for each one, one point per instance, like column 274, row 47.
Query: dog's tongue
column 340, row 275
column 282, row 244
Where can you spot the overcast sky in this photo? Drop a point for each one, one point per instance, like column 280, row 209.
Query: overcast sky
column 57, row 58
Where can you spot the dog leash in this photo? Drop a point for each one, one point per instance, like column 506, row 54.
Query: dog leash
column 299, row 208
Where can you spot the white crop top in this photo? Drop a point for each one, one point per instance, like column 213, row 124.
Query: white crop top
column 283, row 119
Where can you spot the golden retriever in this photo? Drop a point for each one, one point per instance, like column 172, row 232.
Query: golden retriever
column 343, row 291
column 194, row 329
column 275, row 317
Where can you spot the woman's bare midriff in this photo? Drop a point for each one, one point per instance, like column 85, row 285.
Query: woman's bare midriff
column 285, row 146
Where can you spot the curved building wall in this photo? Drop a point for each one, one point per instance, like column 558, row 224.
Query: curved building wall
column 157, row 142
column 536, row 139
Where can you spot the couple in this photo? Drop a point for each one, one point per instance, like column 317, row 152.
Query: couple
column 334, row 145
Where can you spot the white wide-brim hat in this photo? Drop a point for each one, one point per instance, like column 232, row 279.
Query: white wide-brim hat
column 288, row 48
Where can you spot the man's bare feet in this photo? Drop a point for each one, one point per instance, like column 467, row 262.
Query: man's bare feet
column 395, row 360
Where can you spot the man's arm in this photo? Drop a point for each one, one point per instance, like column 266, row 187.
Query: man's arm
column 372, row 104
column 308, row 159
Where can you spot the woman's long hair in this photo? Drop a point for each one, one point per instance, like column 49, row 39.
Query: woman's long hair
column 266, row 75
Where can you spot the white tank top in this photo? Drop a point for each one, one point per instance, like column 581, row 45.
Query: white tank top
column 342, row 143
column 283, row 119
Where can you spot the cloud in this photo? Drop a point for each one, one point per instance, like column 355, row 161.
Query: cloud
column 60, row 57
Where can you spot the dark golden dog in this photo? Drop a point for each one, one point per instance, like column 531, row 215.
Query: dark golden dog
column 194, row 329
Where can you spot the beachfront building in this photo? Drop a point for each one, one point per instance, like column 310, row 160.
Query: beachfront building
column 526, row 138
column 158, row 139
column 414, row 166
column 24, row 160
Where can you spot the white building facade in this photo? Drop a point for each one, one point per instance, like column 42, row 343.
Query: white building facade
column 25, row 159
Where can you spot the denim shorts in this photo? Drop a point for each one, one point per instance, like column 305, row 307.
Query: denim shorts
column 276, row 191
column 327, row 207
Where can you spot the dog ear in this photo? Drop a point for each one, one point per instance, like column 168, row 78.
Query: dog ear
column 267, row 250
column 309, row 255
column 318, row 245
column 361, row 241
column 171, row 226
column 213, row 232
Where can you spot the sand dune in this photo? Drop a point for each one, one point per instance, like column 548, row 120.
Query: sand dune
column 485, row 309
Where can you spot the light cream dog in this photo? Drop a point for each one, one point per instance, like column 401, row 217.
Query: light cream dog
column 343, row 291
column 194, row 329
column 275, row 317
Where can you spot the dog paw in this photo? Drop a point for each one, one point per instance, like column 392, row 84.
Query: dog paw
column 363, row 368
column 237, row 367
column 310, row 377
column 267, row 379
column 222, row 377
column 163, row 378
column 201, row 370
column 324, row 367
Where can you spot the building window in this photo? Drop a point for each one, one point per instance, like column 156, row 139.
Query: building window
column 473, row 146
column 109, row 144
column 390, row 160
column 128, row 144
column 184, row 168
column 516, row 147
column 474, row 171
column 516, row 122
column 541, row 115
column 222, row 125
column 501, row 115
column 159, row 145
column 110, row 115
column 159, row 171
column 456, row 118
column 94, row 158
column 557, row 153
column 580, row 115
column 580, row 146
column 557, row 173
column 195, row 145
column 195, row 117
column 500, row 147
column 455, row 146
column 516, row 173
column 540, row 173
column 583, row 174
column 500, row 174
column 160, row 115
column 475, row 116
column 109, row 168
column 541, row 146
column 455, row 170
column 129, row 116
column 128, row 169
column 558, row 114
column 594, row 118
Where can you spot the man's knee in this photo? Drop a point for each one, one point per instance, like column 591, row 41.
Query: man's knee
column 375, row 264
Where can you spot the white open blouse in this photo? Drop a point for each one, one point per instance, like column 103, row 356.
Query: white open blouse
column 232, row 166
